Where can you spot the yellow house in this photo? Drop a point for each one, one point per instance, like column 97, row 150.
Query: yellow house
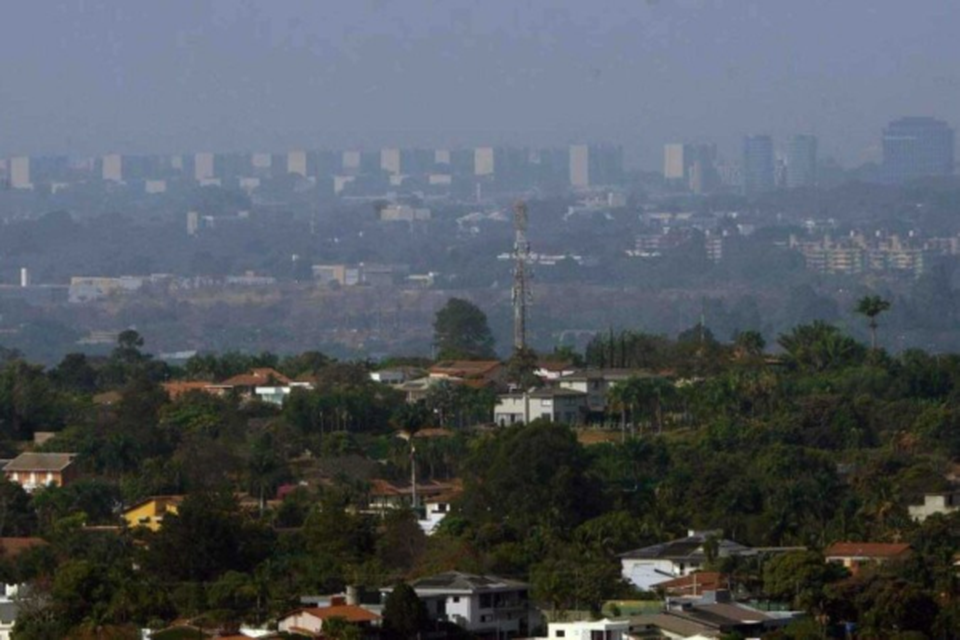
column 149, row 513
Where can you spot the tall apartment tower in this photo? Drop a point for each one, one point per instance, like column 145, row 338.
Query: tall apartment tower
column 203, row 166
column 19, row 171
column 483, row 161
column 390, row 161
column 112, row 167
column 758, row 165
column 297, row 163
column 692, row 165
column 917, row 147
column 677, row 161
column 801, row 161
column 579, row 165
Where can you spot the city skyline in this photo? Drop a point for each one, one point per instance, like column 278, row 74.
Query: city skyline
column 222, row 75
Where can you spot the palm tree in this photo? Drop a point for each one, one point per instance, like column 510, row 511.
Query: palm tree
column 871, row 307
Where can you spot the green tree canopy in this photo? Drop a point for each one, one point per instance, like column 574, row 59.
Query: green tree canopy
column 461, row 332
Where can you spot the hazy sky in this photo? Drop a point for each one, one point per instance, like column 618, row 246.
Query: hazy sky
column 94, row 76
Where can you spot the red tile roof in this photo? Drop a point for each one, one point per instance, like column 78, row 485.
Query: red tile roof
column 348, row 612
column 177, row 389
column 866, row 550
column 12, row 547
column 257, row 378
column 425, row 490
column 465, row 368
column 695, row 583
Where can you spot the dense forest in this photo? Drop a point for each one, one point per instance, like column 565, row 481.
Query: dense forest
column 830, row 441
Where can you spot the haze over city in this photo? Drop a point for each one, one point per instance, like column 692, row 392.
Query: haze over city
column 479, row 320
column 95, row 77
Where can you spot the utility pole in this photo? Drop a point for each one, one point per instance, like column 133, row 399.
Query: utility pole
column 521, row 276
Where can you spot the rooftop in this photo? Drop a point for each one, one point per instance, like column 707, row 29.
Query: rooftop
column 12, row 547
column 257, row 378
column 464, row 368
column 348, row 612
column 866, row 550
column 465, row 582
column 40, row 462
column 687, row 549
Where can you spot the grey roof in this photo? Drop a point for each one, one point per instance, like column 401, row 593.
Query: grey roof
column 702, row 618
column 548, row 392
column 607, row 374
column 40, row 462
column 455, row 581
column 672, row 623
column 687, row 549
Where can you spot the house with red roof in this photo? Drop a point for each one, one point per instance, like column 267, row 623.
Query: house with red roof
column 266, row 384
column 473, row 373
column 855, row 555
column 309, row 621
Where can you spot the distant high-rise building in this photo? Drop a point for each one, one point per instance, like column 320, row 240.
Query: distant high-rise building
column 758, row 166
column 203, row 167
column 704, row 176
column 20, row 173
column 677, row 161
column 692, row 165
column 802, row 161
column 390, row 161
column 483, row 161
column 595, row 164
column 580, row 165
column 112, row 167
column 297, row 163
column 917, row 147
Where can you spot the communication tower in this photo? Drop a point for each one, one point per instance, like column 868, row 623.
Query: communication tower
column 521, row 276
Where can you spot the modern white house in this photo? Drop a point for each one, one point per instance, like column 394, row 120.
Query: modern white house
column 483, row 605
column 589, row 630
column 596, row 383
column 557, row 405
column 647, row 567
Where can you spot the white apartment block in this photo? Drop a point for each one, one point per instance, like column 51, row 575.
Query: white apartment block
column 203, row 167
column 297, row 163
column 112, row 167
column 483, row 161
column 580, row 165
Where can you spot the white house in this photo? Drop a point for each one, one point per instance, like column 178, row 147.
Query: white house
column 945, row 503
column 436, row 508
column 649, row 566
column 276, row 394
column 596, row 383
column 557, row 405
column 589, row 630
column 482, row 605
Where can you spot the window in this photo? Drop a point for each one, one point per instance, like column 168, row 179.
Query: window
column 456, row 599
column 561, row 633
column 486, row 600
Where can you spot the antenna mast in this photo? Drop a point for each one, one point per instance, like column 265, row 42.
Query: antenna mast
column 521, row 276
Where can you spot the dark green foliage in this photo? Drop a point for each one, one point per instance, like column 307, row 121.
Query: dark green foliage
column 528, row 477
column 404, row 614
column 207, row 537
column 461, row 332
column 829, row 442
